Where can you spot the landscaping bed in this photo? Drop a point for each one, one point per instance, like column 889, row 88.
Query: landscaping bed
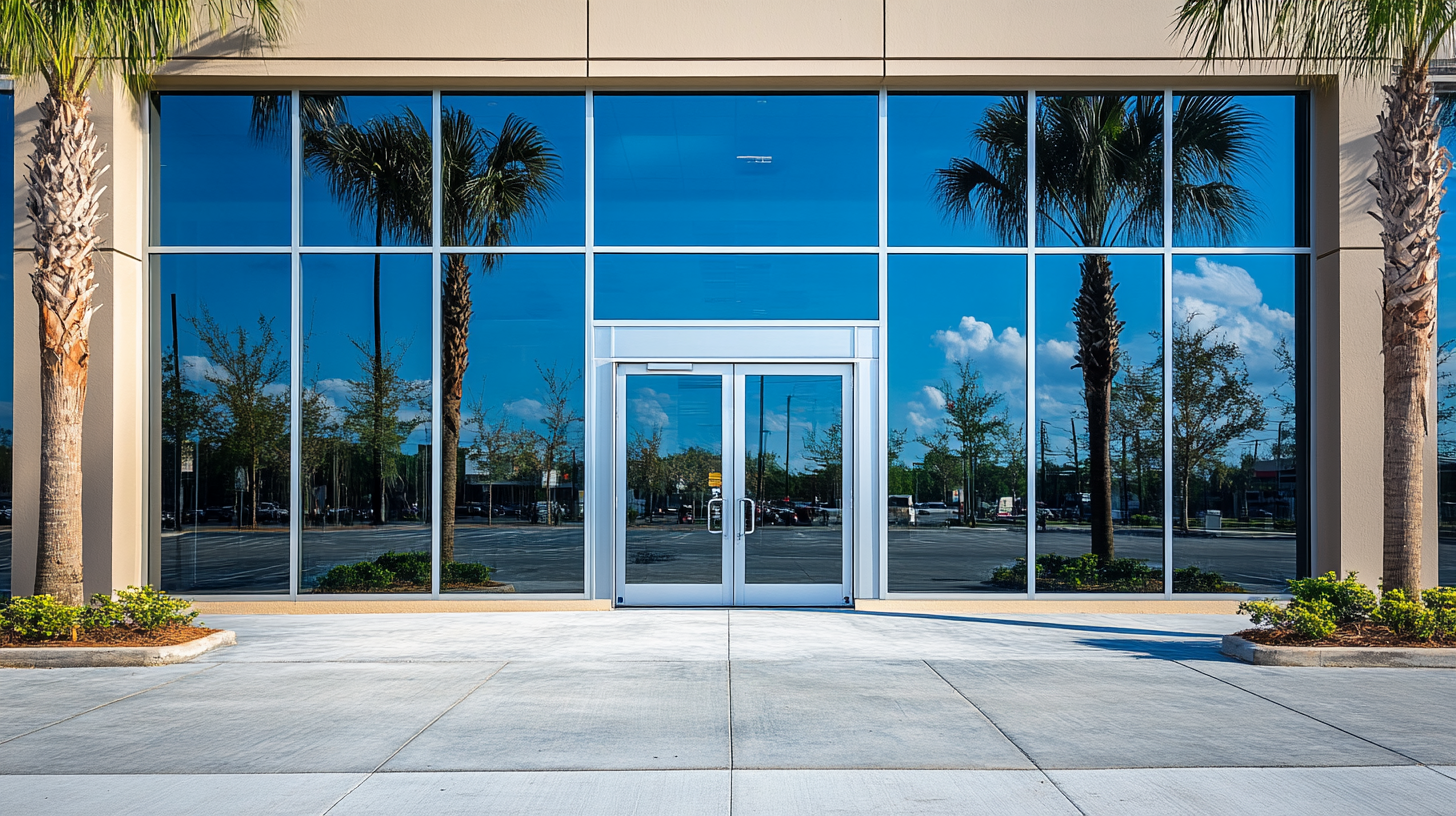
column 171, row 635
column 1085, row 573
column 139, row 627
column 396, row 572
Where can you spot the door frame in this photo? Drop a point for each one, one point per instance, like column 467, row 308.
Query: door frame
column 732, row 590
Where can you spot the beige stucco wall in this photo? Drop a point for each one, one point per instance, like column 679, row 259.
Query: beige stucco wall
column 508, row 44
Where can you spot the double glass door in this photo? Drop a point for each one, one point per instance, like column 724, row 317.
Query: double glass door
column 731, row 485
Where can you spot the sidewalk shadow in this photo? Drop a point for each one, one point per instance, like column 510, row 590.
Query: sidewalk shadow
column 1020, row 622
column 1185, row 650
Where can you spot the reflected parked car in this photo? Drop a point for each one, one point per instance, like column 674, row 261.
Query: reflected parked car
column 931, row 514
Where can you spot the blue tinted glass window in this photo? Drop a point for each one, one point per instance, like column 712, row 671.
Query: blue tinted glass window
column 737, row 170
column 542, row 156
column 936, row 144
column 1099, row 170
column 7, row 364
column 367, row 165
column 1235, row 161
column 737, row 287
column 522, row 408
column 222, row 170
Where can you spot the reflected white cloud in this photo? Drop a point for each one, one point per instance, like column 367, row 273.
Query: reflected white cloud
column 1228, row 296
column 974, row 338
column 526, row 409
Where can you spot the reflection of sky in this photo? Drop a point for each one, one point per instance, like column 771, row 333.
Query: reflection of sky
column 236, row 290
column 338, row 311
column 1139, row 280
column 737, row 287
column 815, row 407
column 1251, row 299
column 528, row 311
column 926, row 132
column 1446, row 304
column 733, row 170
column 946, row 309
column 220, row 184
column 687, row 409
column 561, row 121
column 326, row 221
column 1268, row 173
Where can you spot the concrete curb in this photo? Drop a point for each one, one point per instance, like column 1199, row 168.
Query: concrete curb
column 68, row 657
column 1350, row 657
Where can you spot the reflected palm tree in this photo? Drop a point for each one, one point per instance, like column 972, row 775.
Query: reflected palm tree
column 1099, row 183
column 381, row 173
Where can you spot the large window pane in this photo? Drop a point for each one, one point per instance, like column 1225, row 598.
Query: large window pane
column 1099, row 170
column 1099, row 434
column 1446, row 384
column 737, row 170
column 957, row 170
column 7, row 368
column 366, row 423
column 1235, row 473
column 367, row 165
column 737, row 287
column 518, row 494
column 957, row 457
column 1239, row 168
column 221, row 169
column 224, row 453
column 530, row 147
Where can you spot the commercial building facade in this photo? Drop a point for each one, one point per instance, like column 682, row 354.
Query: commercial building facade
column 746, row 305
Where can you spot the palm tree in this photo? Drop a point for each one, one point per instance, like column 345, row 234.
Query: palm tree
column 1391, row 43
column 71, row 45
column 1098, row 184
column 490, row 184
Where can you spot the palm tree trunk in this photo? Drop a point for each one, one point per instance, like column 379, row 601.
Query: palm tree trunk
column 1411, row 169
column 63, row 200
column 455, row 312
column 1098, row 330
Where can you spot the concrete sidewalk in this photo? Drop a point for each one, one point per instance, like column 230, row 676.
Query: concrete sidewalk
column 680, row 712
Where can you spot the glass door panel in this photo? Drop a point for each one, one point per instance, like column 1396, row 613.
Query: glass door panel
column 794, row 431
column 671, row 519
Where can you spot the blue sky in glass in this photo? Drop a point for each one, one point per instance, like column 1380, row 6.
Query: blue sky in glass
column 7, row 295
column 236, row 290
column 1251, row 299
column 944, row 309
column 688, row 409
column 1446, row 309
column 817, row 404
column 561, row 119
column 338, row 311
column 219, row 183
column 737, row 287
column 1048, row 231
column 529, row 310
column 925, row 133
column 737, row 170
column 1268, row 176
column 325, row 221
column 1059, row 386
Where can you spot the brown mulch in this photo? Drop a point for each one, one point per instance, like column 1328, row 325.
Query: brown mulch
column 1360, row 634
column 117, row 636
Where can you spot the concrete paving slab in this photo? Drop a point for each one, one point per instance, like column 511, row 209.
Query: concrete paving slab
column 1146, row 714
column 1395, row 708
column 640, row 634
column 1406, row 791
column 544, row 793
column 860, row 714
column 253, row 719
column 174, row 794
column 897, row 793
column 31, row 698
column 759, row 634
column 583, row 716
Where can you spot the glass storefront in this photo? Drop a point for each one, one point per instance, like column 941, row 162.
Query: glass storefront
column 378, row 319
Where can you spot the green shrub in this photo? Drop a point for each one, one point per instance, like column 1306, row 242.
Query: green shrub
column 1350, row 600
column 1311, row 620
column 1193, row 579
column 365, row 575
column 460, row 572
column 409, row 567
column 149, row 609
column 102, row 613
column 1059, row 572
column 40, row 617
column 1440, row 598
column 1404, row 617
